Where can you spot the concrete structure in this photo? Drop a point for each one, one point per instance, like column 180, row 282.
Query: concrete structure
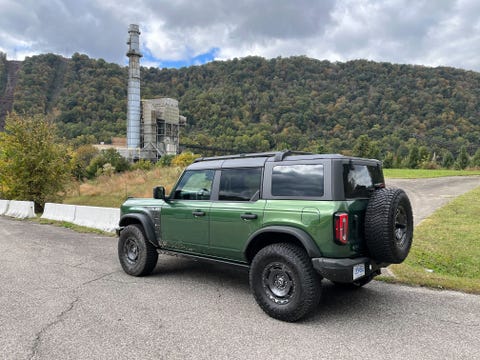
column 20, row 209
column 101, row 218
column 133, row 106
column 160, row 124
column 59, row 212
column 4, row 206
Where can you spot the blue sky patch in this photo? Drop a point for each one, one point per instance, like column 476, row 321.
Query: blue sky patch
column 195, row 60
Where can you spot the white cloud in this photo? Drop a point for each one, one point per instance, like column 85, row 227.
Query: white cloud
column 441, row 32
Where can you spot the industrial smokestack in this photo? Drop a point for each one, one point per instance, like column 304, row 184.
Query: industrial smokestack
column 133, row 106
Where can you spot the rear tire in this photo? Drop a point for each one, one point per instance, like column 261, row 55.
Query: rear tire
column 389, row 225
column 284, row 283
column 137, row 256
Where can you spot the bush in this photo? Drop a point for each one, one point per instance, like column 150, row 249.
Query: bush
column 34, row 164
column 184, row 159
column 165, row 160
column 109, row 156
column 142, row 164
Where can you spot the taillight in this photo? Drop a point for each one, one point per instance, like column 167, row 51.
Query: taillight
column 341, row 228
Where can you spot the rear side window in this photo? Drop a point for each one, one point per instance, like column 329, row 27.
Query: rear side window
column 298, row 180
column 240, row 184
column 359, row 180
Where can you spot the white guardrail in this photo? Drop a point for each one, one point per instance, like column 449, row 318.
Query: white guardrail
column 4, row 206
column 20, row 209
column 101, row 218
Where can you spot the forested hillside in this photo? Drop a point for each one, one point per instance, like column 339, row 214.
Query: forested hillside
column 254, row 104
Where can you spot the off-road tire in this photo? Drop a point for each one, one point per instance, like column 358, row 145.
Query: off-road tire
column 284, row 283
column 389, row 226
column 137, row 256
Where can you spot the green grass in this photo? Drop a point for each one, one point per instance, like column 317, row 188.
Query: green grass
column 446, row 249
column 77, row 228
column 423, row 173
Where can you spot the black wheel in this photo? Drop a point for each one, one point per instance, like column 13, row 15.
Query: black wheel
column 137, row 256
column 283, row 282
column 389, row 225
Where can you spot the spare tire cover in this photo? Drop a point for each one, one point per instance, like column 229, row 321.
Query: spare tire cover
column 389, row 225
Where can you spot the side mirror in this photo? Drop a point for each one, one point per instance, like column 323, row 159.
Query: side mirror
column 159, row 193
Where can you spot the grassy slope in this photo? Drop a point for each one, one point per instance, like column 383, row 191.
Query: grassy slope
column 446, row 248
column 112, row 191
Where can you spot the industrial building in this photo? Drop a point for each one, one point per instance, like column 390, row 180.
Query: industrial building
column 153, row 125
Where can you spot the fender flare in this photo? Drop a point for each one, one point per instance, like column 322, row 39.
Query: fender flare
column 145, row 221
column 303, row 237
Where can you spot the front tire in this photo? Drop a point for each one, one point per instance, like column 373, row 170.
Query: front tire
column 284, row 283
column 137, row 256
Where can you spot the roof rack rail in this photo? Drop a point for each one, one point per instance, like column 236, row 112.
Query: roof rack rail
column 237, row 156
column 279, row 155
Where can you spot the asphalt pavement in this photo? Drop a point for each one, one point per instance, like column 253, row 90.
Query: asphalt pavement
column 63, row 295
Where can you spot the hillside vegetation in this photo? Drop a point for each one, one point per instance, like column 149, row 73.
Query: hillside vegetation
column 254, row 104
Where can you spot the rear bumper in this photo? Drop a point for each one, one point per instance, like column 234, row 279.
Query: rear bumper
column 346, row 270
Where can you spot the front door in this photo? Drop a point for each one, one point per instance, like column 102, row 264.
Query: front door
column 185, row 217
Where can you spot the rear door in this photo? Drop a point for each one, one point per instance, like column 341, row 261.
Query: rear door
column 236, row 213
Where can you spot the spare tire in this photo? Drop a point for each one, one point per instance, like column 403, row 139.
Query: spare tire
column 389, row 225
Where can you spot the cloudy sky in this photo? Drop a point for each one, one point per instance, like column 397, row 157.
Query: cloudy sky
column 183, row 32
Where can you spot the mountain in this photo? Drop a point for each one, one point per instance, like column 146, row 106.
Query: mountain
column 254, row 104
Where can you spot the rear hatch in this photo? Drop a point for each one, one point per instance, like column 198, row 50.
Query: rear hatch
column 360, row 179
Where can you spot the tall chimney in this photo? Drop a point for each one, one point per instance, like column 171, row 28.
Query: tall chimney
column 133, row 106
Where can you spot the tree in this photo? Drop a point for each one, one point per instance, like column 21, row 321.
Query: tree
column 448, row 160
column 81, row 160
column 462, row 159
column 413, row 157
column 366, row 148
column 475, row 162
column 34, row 164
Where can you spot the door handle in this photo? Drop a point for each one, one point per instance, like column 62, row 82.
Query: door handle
column 249, row 216
column 198, row 213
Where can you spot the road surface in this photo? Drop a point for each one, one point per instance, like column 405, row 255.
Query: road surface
column 64, row 296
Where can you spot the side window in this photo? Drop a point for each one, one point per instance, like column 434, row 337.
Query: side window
column 239, row 184
column 195, row 185
column 358, row 180
column 298, row 180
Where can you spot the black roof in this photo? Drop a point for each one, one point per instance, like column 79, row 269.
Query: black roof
column 279, row 155
column 276, row 156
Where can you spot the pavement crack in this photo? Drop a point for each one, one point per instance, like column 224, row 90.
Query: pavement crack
column 98, row 278
column 58, row 319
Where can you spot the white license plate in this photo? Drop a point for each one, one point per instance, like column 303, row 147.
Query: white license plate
column 358, row 271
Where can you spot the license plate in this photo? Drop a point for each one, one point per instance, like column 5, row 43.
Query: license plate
column 358, row 271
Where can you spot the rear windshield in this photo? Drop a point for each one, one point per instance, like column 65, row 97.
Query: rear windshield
column 298, row 181
column 359, row 180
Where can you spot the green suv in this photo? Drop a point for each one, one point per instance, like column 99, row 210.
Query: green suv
column 291, row 218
